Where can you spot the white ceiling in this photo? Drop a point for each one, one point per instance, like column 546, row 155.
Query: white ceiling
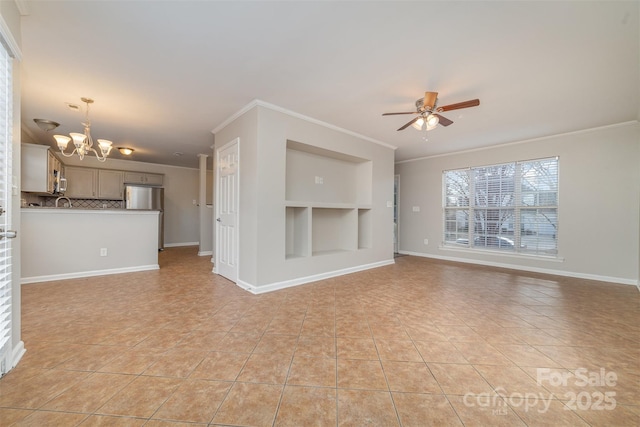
column 164, row 74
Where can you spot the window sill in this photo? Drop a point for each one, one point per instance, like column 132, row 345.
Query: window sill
column 549, row 258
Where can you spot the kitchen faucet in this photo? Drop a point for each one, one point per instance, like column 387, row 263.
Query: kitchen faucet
column 63, row 197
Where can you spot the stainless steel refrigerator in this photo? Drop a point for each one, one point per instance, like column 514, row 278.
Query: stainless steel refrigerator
column 141, row 197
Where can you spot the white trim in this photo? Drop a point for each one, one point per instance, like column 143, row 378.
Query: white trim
column 176, row 245
column 259, row 103
column 12, row 44
column 505, row 254
column 506, row 144
column 618, row 280
column 216, row 244
column 256, row 290
column 234, row 116
column 18, row 352
column 92, row 273
column 205, row 253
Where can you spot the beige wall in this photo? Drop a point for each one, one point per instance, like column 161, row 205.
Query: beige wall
column 263, row 133
column 599, row 207
column 245, row 128
column 53, row 249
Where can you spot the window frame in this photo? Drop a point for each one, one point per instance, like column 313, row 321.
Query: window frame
column 461, row 206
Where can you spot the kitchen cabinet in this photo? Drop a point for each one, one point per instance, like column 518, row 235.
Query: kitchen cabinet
column 110, row 184
column 40, row 169
column 143, row 178
column 82, row 183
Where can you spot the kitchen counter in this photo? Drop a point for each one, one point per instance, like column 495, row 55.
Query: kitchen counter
column 49, row 208
column 63, row 243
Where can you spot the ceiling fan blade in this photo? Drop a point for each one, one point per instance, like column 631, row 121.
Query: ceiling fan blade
column 429, row 100
column 443, row 120
column 394, row 114
column 459, row 105
column 409, row 124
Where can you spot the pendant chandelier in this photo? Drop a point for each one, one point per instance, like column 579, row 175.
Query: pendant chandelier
column 83, row 142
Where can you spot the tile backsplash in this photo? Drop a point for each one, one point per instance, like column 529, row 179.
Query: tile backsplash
column 87, row 203
column 50, row 202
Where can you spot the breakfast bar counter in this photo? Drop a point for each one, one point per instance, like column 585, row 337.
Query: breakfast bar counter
column 68, row 243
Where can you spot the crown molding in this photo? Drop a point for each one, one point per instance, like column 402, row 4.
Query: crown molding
column 263, row 104
column 506, row 144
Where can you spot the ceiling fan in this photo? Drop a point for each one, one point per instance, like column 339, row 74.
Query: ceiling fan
column 428, row 112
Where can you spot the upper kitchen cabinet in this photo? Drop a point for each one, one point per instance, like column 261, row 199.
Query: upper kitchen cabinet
column 110, row 184
column 82, row 183
column 40, row 169
column 143, row 178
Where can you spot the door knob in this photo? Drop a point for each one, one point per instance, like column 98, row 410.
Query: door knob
column 9, row 234
column 218, row 219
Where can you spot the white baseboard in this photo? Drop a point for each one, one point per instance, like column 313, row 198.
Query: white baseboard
column 176, row 245
column 205, row 253
column 64, row 276
column 18, row 352
column 307, row 279
column 618, row 280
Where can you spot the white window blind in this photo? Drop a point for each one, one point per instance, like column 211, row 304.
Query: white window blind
column 6, row 104
column 511, row 207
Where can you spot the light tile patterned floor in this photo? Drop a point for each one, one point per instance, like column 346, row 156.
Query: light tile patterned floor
column 418, row 343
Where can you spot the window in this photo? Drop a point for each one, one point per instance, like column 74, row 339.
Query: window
column 510, row 207
column 6, row 122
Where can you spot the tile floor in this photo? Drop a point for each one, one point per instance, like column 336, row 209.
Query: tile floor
column 418, row 343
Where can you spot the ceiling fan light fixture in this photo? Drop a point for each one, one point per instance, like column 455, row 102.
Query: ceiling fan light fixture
column 126, row 151
column 432, row 121
column 428, row 112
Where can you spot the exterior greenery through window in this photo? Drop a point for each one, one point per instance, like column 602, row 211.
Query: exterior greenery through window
column 511, row 207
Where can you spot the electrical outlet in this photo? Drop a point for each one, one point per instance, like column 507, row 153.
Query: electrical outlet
column 103, row 251
column 416, row 208
column 319, row 180
column 426, row 241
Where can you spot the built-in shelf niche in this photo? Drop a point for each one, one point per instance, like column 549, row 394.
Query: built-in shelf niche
column 328, row 201
column 297, row 238
column 364, row 228
column 323, row 176
column 333, row 230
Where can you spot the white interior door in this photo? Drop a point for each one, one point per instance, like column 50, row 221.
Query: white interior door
column 227, row 203
column 6, row 124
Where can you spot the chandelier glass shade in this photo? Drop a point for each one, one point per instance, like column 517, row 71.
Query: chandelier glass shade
column 83, row 142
